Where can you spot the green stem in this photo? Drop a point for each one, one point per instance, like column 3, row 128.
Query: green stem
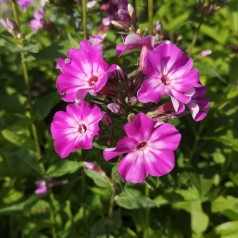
column 110, row 208
column 147, row 210
column 33, row 123
column 195, row 37
column 150, row 16
column 85, row 19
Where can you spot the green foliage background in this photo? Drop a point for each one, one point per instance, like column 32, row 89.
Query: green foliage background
column 198, row 199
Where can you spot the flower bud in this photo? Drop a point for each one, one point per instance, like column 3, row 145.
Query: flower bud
column 114, row 107
column 131, row 11
column 106, row 120
column 133, row 101
column 204, row 53
column 9, row 25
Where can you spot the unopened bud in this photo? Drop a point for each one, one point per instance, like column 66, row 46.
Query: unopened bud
column 114, row 107
column 133, row 101
column 106, row 120
column 131, row 10
column 9, row 25
column 94, row 167
column 130, row 117
column 204, row 53
column 119, row 24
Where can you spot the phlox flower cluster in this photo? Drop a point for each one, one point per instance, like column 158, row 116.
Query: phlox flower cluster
column 127, row 114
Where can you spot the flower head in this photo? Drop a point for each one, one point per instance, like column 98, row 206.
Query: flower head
column 148, row 147
column 24, row 4
column 75, row 128
column 84, row 71
column 169, row 72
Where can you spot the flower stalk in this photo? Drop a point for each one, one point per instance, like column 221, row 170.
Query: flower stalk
column 150, row 16
column 32, row 119
column 85, row 19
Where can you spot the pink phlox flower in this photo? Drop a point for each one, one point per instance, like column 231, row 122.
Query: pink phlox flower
column 169, row 72
column 199, row 106
column 75, row 129
column 133, row 41
column 24, row 4
column 84, row 71
column 148, row 146
column 38, row 21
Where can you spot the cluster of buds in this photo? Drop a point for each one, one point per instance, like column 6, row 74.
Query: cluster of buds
column 209, row 7
column 126, row 111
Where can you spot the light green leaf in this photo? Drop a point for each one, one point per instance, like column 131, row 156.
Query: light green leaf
column 62, row 167
column 199, row 220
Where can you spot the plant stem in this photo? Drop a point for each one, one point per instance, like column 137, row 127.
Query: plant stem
column 33, row 124
column 195, row 37
column 150, row 16
column 147, row 210
column 110, row 209
column 85, row 19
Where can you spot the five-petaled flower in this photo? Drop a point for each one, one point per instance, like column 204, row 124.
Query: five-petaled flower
column 75, row 129
column 169, row 72
column 148, row 148
column 85, row 71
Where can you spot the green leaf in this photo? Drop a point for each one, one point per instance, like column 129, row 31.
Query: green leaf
column 199, row 219
column 98, row 178
column 19, row 206
column 62, row 167
column 43, row 105
column 225, row 230
column 133, row 199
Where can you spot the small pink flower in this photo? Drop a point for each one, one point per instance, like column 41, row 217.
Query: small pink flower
column 148, row 148
column 24, row 4
column 75, row 129
column 83, row 72
column 169, row 72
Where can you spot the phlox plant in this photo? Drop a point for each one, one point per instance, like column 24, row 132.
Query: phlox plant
column 118, row 119
column 149, row 146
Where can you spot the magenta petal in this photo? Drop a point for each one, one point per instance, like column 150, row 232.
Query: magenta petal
column 80, row 95
column 151, row 91
column 125, row 145
column 165, row 137
column 141, row 128
column 120, row 49
column 160, row 163
column 64, row 147
column 132, row 169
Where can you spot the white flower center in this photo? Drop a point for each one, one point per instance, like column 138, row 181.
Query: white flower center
column 82, row 129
